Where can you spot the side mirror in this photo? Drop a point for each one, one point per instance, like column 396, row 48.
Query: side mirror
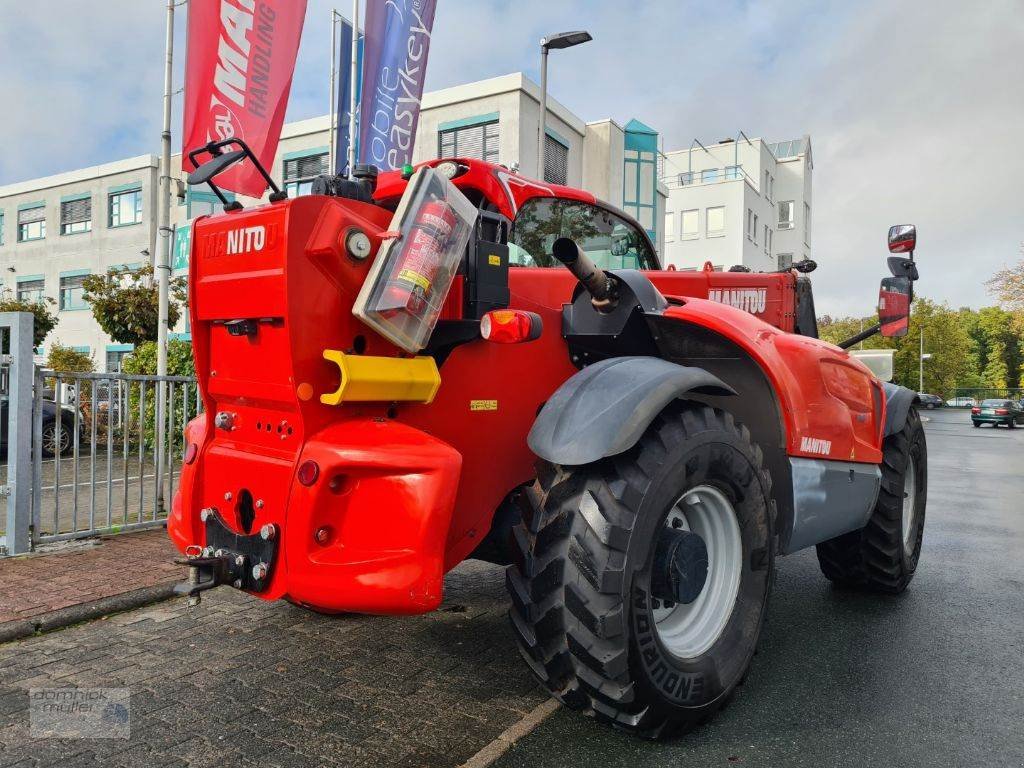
column 902, row 238
column 894, row 307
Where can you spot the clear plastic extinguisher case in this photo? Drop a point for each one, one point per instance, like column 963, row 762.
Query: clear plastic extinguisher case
column 410, row 278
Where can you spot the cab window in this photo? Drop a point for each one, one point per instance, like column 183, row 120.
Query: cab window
column 611, row 241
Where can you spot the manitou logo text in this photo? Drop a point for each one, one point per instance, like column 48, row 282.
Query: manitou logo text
column 752, row 300
column 815, row 445
column 246, row 240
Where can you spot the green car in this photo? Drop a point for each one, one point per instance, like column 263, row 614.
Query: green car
column 996, row 412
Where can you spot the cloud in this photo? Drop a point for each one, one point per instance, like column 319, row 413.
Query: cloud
column 913, row 107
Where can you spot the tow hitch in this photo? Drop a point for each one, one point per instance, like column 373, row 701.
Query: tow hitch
column 245, row 561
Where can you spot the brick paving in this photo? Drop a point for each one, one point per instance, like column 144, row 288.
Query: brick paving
column 240, row 682
column 38, row 584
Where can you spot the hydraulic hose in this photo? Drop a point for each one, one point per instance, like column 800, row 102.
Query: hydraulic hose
column 592, row 277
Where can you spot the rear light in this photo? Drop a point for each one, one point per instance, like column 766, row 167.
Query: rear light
column 1002, row 412
column 510, row 326
column 191, row 452
column 975, row 410
column 309, row 471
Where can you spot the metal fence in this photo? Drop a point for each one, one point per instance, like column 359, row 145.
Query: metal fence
column 84, row 453
column 96, row 467
column 976, row 395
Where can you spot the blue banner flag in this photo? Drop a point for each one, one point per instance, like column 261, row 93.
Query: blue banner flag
column 397, row 43
column 344, row 95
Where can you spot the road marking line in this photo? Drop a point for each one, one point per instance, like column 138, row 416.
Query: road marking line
column 98, row 483
column 489, row 754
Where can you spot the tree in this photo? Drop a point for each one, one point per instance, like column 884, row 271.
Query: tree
column 126, row 303
column 68, row 359
column 1007, row 285
column 179, row 359
column 45, row 318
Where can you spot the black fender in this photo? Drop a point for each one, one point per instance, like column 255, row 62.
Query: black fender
column 605, row 408
column 898, row 401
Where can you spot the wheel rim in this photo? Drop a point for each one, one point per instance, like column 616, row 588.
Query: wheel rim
column 687, row 631
column 50, row 440
column 909, row 499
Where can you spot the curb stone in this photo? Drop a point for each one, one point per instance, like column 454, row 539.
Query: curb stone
column 94, row 609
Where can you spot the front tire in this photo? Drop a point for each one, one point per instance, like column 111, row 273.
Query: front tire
column 590, row 555
column 883, row 556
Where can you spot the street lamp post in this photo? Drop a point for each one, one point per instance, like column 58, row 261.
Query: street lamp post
column 922, row 357
column 557, row 41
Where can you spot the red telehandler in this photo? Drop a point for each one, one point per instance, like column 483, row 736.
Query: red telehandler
column 401, row 371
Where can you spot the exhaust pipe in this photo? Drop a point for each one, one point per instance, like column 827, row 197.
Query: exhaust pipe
column 600, row 287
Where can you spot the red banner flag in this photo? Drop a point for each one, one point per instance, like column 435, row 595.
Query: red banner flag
column 240, row 60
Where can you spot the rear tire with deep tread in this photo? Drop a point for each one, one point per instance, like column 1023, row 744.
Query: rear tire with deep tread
column 876, row 558
column 579, row 581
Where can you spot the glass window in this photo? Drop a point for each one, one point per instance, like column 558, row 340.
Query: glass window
column 767, row 242
column 807, row 224
column 690, row 225
column 611, row 241
column 733, row 172
column 709, row 174
column 31, row 290
column 71, row 293
column 479, row 142
column 125, row 208
column 32, row 224
column 750, row 221
column 685, row 178
column 629, row 193
column 556, row 161
column 785, row 260
column 115, row 359
column 670, row 226
column 715, row 218
column 754, row 230
column 299, row 173
column 76, row 216
column 786, row 215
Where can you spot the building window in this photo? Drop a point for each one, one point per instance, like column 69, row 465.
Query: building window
column 556, row 161
column 771, row 188
column 116, row 355
column 755, row 229
column 479, row 142
column 690, row 224
column 807, row 224
column 715, row 218
column 786, row 215
column 31, row 290
column 71, row 292
column 733, row 172
column 76, row 216
column 750, row 222
column 125, row 208
column 32, row 224
column 685, row 178
column 299, row 173
column 767, row 240
column 670, row 226
column 785, row 260
column 1, row 227
column 709, row 175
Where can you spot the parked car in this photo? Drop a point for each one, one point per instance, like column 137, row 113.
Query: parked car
column 930, row 401
column 962, row 402
column 50, row 409
column 996, row 412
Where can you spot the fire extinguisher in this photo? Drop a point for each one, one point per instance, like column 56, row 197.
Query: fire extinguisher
column 418, row 263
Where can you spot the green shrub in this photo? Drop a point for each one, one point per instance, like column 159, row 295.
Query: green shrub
column 45, row 318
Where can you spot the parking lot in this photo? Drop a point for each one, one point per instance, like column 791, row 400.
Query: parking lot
column 931, row 678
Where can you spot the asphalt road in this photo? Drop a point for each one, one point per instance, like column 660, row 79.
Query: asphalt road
column 934, row 677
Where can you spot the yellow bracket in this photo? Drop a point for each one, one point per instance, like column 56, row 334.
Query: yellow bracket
column 366, row 379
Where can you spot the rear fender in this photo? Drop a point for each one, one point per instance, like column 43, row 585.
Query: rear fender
column 605, row 408
column 898, row 401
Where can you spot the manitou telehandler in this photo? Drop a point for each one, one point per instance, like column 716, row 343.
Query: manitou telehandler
column 401, row 371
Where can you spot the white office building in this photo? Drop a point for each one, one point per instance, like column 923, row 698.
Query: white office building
column 56, row 230
column 738, row 202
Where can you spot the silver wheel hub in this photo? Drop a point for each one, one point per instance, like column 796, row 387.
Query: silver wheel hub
column 689, row 630
column 909, row 515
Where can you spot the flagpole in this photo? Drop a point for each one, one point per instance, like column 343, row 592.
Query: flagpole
column 334, row 66
column 353, row 80
column 163, row 258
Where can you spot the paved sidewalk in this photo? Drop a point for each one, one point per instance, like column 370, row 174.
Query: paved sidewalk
column 53, row 589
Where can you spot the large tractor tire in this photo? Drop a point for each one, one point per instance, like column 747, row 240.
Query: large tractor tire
column 640, row 582
column 882, row 556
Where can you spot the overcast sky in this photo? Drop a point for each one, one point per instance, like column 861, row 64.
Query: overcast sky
column 915, row 108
